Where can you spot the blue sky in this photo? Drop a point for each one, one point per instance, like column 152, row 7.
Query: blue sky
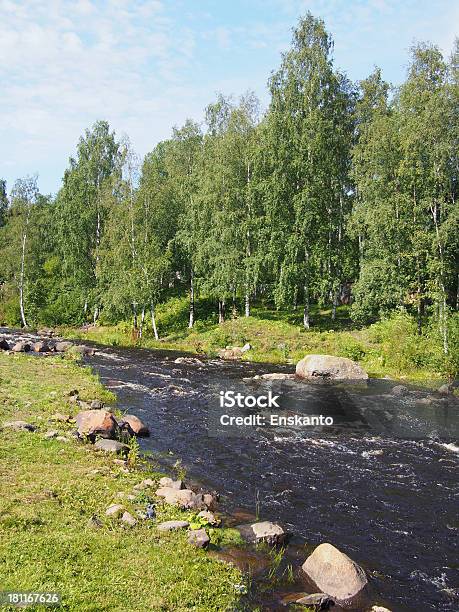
column 146, row 65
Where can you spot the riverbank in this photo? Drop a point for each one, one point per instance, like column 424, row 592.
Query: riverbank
column 390, row 348
column 51, row 490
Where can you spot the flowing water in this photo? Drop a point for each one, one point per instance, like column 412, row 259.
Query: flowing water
column 381, row 484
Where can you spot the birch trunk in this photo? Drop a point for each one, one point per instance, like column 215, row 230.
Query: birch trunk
column 142, row 320
column 153, row 321
column 191, row 319
column 21, row 280
column 306, row 320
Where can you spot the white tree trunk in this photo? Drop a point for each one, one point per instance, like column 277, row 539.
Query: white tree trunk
column 21, row 280
column 153, row 322
column 142, row 320
column 191, row 320
column 247, row 304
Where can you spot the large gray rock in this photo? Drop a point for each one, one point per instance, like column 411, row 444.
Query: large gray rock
column 329, row 367
column 41, row 347
column 114, row 511
column 112, row 446
column 319, row 601
column 171, row 484
column 335, row 573
column 63, row 346
column 264, row 531
column 93, row 423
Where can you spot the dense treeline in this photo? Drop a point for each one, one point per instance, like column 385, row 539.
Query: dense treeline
column 339, row 192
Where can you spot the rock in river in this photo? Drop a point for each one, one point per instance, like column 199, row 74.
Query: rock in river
column 264, row 531
column 21, row 347
column 335, row 573
column 136, row 425
column 330, row 368
column 185, row 498
column 4, row 345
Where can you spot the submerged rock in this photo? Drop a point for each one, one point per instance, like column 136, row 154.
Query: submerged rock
column 274, row 376
column 320, row 601
column 400, row 390
column 264, row 531
column 4, row 344
column 330, row 367
column 199, row 538
column 335, row 573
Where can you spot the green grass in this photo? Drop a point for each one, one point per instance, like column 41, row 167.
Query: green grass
column 387, row 348
column 49, row 491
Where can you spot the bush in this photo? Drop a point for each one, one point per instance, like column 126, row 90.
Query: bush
column 349, row 347
column 10, row 313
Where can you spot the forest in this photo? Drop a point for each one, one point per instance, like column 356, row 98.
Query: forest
column 337, row 193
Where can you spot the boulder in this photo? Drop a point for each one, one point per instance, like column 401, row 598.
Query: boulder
column 189, row 360
column 335, row 573
column 329, row 367
column 112, row 446
column 52, row 433
column 19, row 425
column 317, row 601
column 264, row 531
column 246, row 347
column 4, row 344
column 172, row 484
column 199, row 538
column 96, row 405
column 115, row 510
column 83, row 350
column 379, row 609
column 41, row 347
column 210, row 500
column 185, row 498
column 21, row 347
column 173, row 525
column 136, row 425
column 61, row 347
column 445, row 389
column 128, row 520
column 92, row 423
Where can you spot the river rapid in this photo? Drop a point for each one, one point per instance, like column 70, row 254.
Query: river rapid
column 381, row 484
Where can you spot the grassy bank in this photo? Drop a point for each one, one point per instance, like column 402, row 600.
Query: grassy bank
column 387, row 348
column 49, row 489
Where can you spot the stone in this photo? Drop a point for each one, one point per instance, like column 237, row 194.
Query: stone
column 171, row 484
column 173, row 525
column 210, row 501
column 94, row 522
column 4, row 344
column 335, row 573
column 21, row 347
column 62, row 346
column 445, row 389
column 128, row 519
column 112, row 446
column 185, row 498
column 41, row 347
column 400, row 390
column 209, row 517
column 52, row 433
column 136, row 425
column 246, row 347
column 274, row 376
column 93, row 423
column 320, row 601
column 115, row 510
column 199, row 538
column 379, row 609
column 264, row 531
column 96, row 405
column 62, row 439
column 189, row 360
column 83, row 350
column 62, row 418
column 330, row 368
column 19, row 425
